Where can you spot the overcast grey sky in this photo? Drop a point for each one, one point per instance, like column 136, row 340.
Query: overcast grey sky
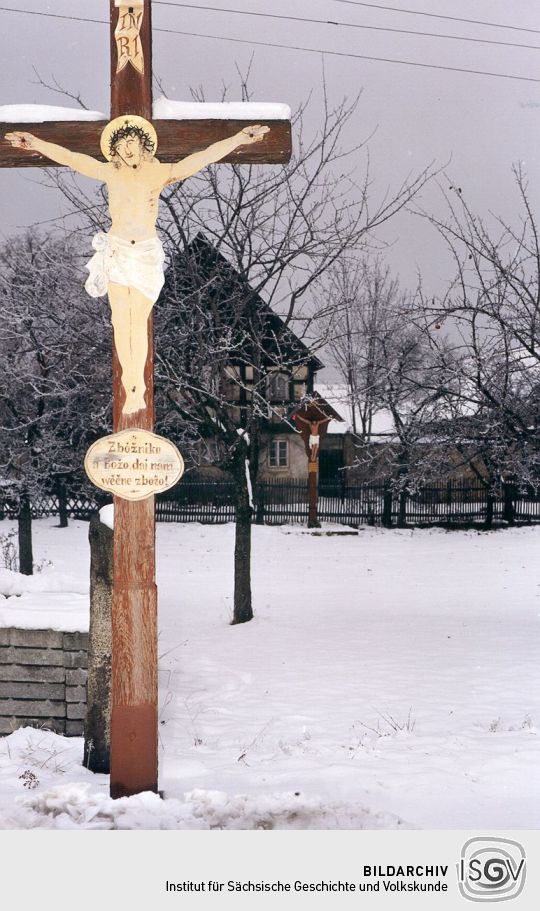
column 482, row 124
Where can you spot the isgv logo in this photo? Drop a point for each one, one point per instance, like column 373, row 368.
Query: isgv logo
column 491, row 869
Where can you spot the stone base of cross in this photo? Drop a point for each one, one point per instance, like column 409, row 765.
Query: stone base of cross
column 134, row 635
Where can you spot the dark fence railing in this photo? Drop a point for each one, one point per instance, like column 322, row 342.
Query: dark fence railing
column 278, row 502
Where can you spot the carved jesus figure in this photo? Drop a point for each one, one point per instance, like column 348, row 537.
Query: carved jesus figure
column 314, row 441
column 128, row 261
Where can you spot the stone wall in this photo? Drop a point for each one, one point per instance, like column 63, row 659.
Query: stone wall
column 42, row 680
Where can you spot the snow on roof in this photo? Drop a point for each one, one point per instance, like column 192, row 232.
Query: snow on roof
column 167, row 109
column 42, row 113
column 337, row 396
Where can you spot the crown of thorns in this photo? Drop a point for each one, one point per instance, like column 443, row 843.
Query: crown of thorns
column 146, row 140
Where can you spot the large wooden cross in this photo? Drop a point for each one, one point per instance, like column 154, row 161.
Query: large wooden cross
column 134, row 633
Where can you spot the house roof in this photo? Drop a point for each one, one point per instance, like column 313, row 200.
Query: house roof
column 201, row 270
column 337, row 395
column 315, row 403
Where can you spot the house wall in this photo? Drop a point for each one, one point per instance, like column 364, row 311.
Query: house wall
column 296, row 470
column 42, row 680
column 376, row 461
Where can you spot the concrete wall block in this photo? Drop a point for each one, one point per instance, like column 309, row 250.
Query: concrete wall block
column 76, row 677
column 74, row 642
column 8, row 725
column 31, row 638
column 76, row 711
column 75, row 694
column 32, row 690
column 15, row 672
column 43, row 680
column 33, row 708
column 41, row 657
column 75, row 659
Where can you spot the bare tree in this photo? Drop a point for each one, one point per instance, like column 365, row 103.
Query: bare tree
column 390, row 363
column 367, row 305
column 53, row 395
column 491, row 309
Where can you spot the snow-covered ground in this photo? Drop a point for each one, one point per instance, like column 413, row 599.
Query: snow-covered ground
column 389, row 679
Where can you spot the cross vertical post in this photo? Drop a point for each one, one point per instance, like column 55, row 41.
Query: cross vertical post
column 133, row 762
column 313, row 493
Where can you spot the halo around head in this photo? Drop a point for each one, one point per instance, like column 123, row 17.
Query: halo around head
column 126, row 120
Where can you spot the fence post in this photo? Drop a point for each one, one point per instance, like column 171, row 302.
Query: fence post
column 402, row 515
column 24, row 521
column 449, row 502
column 489, row 510
column 387, row 506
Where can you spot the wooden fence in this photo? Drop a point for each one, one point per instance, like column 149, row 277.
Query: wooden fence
column 450, row 503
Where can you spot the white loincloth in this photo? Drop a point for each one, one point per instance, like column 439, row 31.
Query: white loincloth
column 314, row 440
column 138, row 265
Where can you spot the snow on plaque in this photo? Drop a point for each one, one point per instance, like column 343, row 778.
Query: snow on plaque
column 134, row 464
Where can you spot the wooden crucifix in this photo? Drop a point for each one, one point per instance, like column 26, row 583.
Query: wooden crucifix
column 312, row 418
column 135, row 178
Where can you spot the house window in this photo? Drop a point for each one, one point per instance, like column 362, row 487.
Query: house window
column 279, row 454
column 277, row 387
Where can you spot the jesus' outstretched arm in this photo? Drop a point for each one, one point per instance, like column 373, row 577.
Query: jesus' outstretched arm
column 218, row 150
column 83, row 164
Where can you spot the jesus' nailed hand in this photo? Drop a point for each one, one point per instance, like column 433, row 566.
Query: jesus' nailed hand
column 128, row 262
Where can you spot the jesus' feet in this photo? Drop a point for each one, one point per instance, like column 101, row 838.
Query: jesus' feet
column 134, row 401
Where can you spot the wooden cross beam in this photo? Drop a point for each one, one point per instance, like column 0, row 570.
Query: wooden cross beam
column 134, row 632
column 177, row 138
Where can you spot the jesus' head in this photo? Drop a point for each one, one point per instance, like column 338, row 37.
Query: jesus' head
column 128, row 140
column 130, row 145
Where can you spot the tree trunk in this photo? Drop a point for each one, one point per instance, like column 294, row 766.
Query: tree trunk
column 62, row 504
column 403, row 471
column 509, row 508
column 259, row 505
column 254, row 455
column 26, row 557
column 98, row 705
column 488, row 523
column 449, row 490
column 243, row 610
column 402, row 513
column 387, row 506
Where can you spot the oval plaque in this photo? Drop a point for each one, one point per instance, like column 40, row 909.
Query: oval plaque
column 134, row 464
